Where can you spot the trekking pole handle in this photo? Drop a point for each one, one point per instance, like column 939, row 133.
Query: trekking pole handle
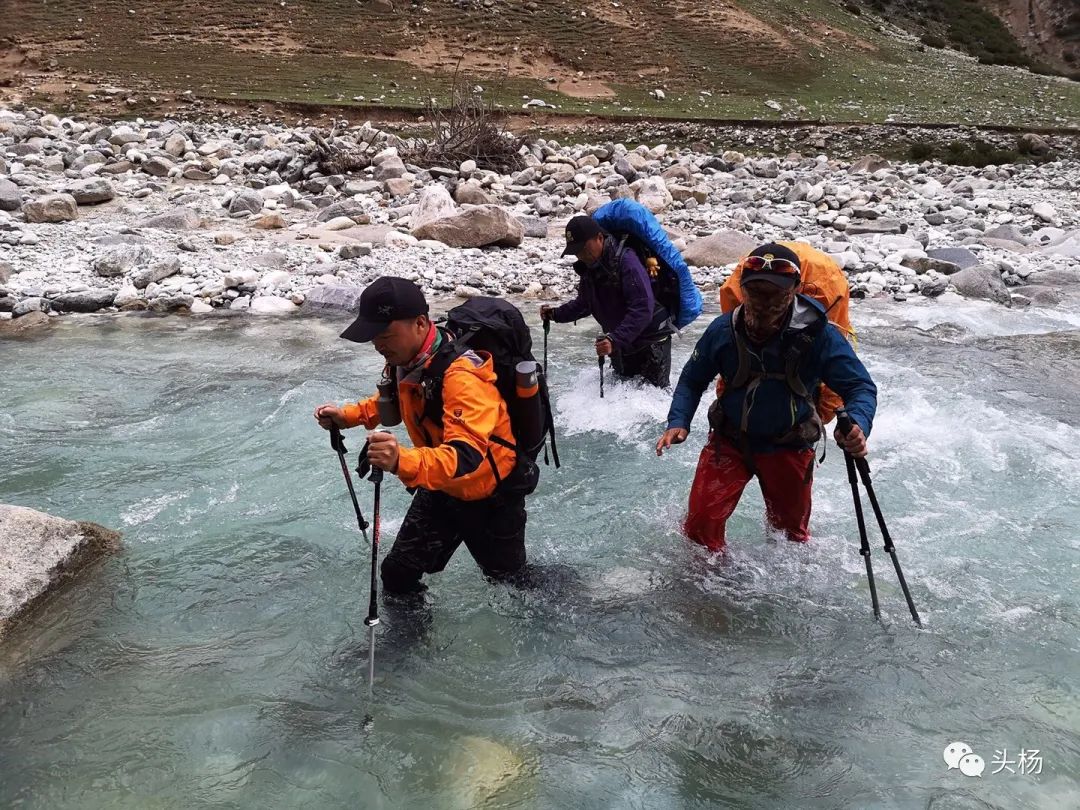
column 843, row 422
column 337, row 444
column 845, row 425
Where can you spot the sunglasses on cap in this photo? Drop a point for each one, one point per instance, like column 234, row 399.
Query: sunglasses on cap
column 770, row 264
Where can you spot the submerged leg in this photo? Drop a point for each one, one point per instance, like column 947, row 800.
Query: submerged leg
column 718, row 484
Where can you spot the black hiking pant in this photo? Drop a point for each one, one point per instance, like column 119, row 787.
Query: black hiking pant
column 493, row 530
column 651, row 363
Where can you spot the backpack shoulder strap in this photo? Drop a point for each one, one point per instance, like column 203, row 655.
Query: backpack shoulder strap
column 431, row 379
column 742, row 371
column 800, row 346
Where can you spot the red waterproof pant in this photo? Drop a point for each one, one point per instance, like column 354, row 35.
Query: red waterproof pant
column 721, row 478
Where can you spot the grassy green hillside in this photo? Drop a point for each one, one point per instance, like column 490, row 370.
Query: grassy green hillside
column 813, row 58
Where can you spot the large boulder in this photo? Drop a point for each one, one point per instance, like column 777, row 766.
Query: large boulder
column 84, row 301
column 721, row 248
column 51, row 208
column 331, row 298
column 435, row 203
column 91, row 191
column 653, row 194
column 39, row 552
column 477, row 227
column 981, row 281
column 10, row 195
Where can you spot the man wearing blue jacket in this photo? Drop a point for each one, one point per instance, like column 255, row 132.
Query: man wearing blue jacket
column 616, row 290
column 772, row 353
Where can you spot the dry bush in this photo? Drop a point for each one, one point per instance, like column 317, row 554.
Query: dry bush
column 467, row 128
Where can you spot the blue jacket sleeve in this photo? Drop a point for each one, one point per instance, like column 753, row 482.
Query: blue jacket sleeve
column 845, row 374
column 697, row 375
column 638, row 294
column 575, row 309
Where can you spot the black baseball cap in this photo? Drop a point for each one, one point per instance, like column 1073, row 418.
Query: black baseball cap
column 774, row 263
column 580, row 230
column 384, row 300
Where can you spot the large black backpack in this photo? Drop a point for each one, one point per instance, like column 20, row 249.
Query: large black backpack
column 497, row 327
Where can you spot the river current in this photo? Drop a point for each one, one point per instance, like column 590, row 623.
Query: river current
column 220, row 659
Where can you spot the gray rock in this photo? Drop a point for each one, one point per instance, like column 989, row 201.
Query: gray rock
column 399, row 186
column 155, row 272
column 981, row 281
column 40, row 552
column 961, row 257
column 476, row 227
column 91, row 191
column 1063, row 275
column 85, row 301
column 870, row 164
column 785, row 222
column 543, row 205
column 534, row 227
column 246, row 202
column 179, row 219
column 654, row 194
column 119, row 260
column 721, row 248
column 623, row 167
column 10, row 195
column 51, row 208
column 1032, row 144
column 354, row 251
column 28, row 305
column 471, row 194
column 157, row 167
column 435, row 203
column 876, row 226
column 6, row 272
column 1009, row 232
column 388, row 169
column 344, row 208
column 272, row 305
column 1040, row 296
column 332, row 298
column 934, row 287
column 924, row 264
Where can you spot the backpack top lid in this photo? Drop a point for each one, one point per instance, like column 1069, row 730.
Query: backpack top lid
column 492, row 325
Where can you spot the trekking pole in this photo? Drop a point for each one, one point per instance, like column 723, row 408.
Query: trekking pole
column 338, row 445
column 863, row 466
column 547, row 330
column 373, row 605
column 600, row 364
column 844, row 423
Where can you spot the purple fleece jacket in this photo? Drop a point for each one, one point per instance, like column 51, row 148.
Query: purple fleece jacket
column 624, row 310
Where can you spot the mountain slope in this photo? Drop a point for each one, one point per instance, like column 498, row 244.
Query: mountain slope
column 746, row 59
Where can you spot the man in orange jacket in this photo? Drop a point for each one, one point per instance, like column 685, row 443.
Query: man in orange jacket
column 456, row 467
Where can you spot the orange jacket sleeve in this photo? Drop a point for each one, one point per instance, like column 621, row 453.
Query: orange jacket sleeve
column 470, row 415
column 365, row 412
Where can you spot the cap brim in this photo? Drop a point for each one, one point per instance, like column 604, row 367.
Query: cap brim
column 573, row 248
column 784, row 280
column 363, row 330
